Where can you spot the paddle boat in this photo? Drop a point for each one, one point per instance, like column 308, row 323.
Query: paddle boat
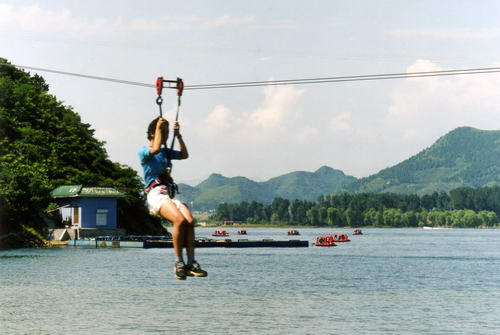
column 220, row 232
column 341, row 238
column 242, row 232
column 324, row 241
column 293, row 232
column 357, row 232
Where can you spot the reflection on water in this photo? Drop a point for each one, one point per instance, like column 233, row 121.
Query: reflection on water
column 388, row 281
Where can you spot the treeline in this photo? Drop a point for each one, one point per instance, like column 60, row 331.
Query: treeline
column 462, row 207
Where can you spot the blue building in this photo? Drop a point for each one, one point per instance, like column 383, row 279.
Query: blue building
column 88, row 207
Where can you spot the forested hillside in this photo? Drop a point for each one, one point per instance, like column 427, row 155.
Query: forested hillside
column 295, row 185
column 463, row 157
column 44, row 144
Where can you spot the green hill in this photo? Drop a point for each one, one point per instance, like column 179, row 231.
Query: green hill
column 295, row 185
column 463, row 157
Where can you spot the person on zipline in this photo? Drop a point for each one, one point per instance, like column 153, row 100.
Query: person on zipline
column 160, row 190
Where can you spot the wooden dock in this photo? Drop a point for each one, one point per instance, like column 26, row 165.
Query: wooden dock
column 202, row 243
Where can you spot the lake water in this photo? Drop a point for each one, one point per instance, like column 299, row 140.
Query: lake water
column 387, row 281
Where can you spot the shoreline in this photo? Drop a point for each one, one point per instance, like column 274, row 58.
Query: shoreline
column 256, row 225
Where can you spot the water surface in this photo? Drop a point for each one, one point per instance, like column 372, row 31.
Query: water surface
column 387, row 281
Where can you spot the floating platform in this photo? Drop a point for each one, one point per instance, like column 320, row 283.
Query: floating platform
column 227, row 243
column 209, row 243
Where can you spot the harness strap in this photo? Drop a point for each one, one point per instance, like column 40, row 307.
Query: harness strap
column 152, row 185
column 172, row 188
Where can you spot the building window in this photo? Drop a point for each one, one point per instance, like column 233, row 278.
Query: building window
column 101, row 218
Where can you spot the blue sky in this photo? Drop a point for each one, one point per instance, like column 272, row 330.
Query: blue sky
column 262, row 132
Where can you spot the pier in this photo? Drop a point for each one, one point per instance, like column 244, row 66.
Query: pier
column 200, row 243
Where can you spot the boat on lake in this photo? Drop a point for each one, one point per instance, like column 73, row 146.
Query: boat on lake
column 293, row 232
column 341, row 238
column 220, row 232
column 324, row 241
column 357, row 232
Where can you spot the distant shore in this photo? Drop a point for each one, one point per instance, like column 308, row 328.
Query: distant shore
column 269, row 225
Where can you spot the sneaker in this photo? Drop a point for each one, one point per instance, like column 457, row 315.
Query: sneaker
column 180, row 270
column 194, row 269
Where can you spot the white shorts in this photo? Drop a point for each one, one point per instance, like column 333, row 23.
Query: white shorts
column 156, row 197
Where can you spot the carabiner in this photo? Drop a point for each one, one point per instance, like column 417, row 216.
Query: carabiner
column 159, row 100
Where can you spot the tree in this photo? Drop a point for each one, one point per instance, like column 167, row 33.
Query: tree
column 385, row 210
column 427, row 201
column 280, row 208
column 410, row 219
column 353, row 217
column 312, row 216
column 322, row 215
column 44, row 144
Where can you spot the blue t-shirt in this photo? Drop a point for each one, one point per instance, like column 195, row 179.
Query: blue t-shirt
column 154, row 165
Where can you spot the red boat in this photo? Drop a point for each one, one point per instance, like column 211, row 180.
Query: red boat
column 341, row 238
column 220, row 232
column 293, row 232
column 357, row 232
column 242, row 232
column 325, row 241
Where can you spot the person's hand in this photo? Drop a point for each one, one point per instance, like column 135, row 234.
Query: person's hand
column 177, row 128
column 161, row 123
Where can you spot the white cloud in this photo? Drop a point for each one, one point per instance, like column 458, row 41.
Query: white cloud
column 438, row 104
column 276, row 106
column 221, row 118
column 270, row 122
column 6, row 13
column 340, row 121
column 423, row 65
column 454, row 33
column 186, row 23
column 272, row 114
column 35, row 19
column 306, row 134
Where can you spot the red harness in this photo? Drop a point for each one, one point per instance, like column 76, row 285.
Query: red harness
column 152, row 185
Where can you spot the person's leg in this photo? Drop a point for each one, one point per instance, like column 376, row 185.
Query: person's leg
column 189, row 235
column 170, row 212
column 193, row 268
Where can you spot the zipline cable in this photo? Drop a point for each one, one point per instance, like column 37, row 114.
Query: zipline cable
column 303, row 81
column 119, row 81
column 350, row 78
column 331, row 80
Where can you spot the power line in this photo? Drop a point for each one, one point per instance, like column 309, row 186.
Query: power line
column 302, row 81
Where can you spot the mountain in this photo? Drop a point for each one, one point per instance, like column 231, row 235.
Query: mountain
column 464, row 157
column 307, row 185
column 295, row 185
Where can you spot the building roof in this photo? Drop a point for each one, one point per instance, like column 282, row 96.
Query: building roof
column 75, row 191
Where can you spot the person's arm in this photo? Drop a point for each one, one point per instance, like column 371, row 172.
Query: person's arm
column 158, row 139
column 184, row 152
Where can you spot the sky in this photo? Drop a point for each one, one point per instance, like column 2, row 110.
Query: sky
column 262, row 132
